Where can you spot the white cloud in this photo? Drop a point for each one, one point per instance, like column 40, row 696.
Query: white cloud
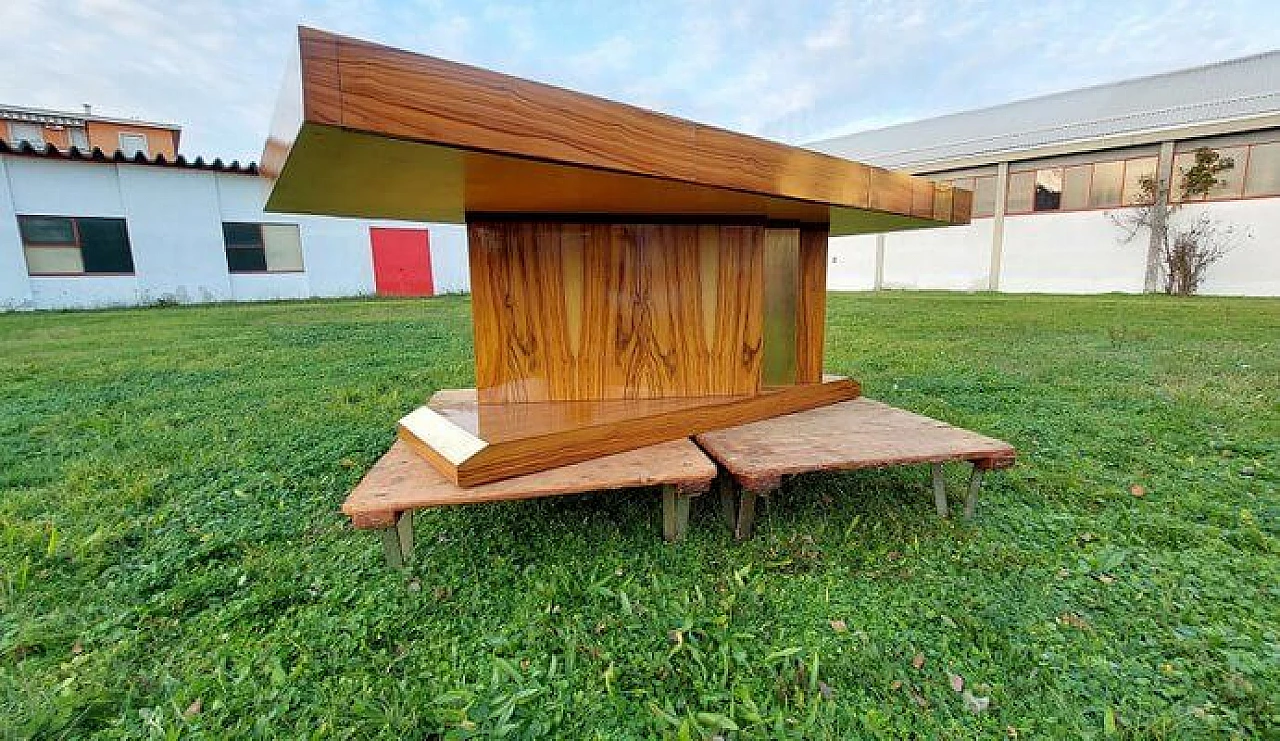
column 788, row 70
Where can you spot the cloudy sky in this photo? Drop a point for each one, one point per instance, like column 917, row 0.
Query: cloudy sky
column 794, row 71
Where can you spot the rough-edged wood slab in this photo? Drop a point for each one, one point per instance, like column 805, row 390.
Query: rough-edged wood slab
column 473, row 443
column 862, row 433
column 401, row 480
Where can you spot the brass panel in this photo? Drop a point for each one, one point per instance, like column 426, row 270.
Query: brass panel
column 812, row 312
column 781, row 304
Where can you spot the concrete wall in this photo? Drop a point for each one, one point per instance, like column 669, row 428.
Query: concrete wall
column 1071, row 252
column 174, row 219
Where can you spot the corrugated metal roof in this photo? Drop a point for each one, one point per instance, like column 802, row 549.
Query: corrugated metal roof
column 97, row 155
column 1232, row 89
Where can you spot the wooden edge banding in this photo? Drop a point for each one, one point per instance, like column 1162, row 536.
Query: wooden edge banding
column 759, row 485
column 694, row 489
column 321, row 82
column 995, row 462
column 373, row 520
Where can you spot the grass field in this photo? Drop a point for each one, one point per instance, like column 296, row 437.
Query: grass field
column 173, row 563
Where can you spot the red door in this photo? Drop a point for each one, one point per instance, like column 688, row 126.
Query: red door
column 401, row 262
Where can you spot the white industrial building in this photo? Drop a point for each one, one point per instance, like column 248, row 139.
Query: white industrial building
column 1046, row 172
column 87, row 230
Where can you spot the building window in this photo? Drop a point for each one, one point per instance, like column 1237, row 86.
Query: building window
column 1021, row 192
column 131, row 144
column 1262, row 178
column 32, row 134
column 61, row 245
column 78, row 138
column 1107, row 184
column 1231, row 181
column 262, row 248
column 984, row 196
column 1075, row 187
column 1048, row 189
column 1136, row 171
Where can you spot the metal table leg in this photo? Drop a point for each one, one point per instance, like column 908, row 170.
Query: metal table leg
column 397, row 541
column 939, row 490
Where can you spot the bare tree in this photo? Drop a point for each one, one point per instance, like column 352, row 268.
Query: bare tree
column 1182, row 249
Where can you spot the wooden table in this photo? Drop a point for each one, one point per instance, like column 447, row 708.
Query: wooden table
column 851, row 435
column 635, row 277
column 402, row 482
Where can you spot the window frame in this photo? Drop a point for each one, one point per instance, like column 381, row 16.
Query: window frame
column 78, row 244
column 12, row 131
column 83, row 131
column 1244, row 171
column 994, row 189
column 1124, row 162
column 262, row 245
column 1244, row 177
column 146, row 143
column 1182, row 148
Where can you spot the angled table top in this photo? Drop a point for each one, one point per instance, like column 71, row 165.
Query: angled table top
column 370, row 131
column 401, row 480
column 862, row 433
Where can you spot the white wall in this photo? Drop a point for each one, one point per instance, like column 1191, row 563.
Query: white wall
column 450, row 272
column 1073, row 252
column 338, row 255
column 1077, row 252
column 60, row 188
column 83, row 291
column 174, row 219
column 1252, row 267
column 175, row 232
column 15, row 287
column 851, row 263
column 950, row 258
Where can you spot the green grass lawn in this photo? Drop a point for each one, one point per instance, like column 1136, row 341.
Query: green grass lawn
column 173, row 562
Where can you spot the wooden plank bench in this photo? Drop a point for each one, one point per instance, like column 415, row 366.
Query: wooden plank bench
column 401, row 482
column 851, row 435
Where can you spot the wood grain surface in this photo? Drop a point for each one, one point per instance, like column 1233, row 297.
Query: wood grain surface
column 585, row 311
column 519, row 438
column 401, row 480
column 352, row 87
column 862, row 433
column 811, row 312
